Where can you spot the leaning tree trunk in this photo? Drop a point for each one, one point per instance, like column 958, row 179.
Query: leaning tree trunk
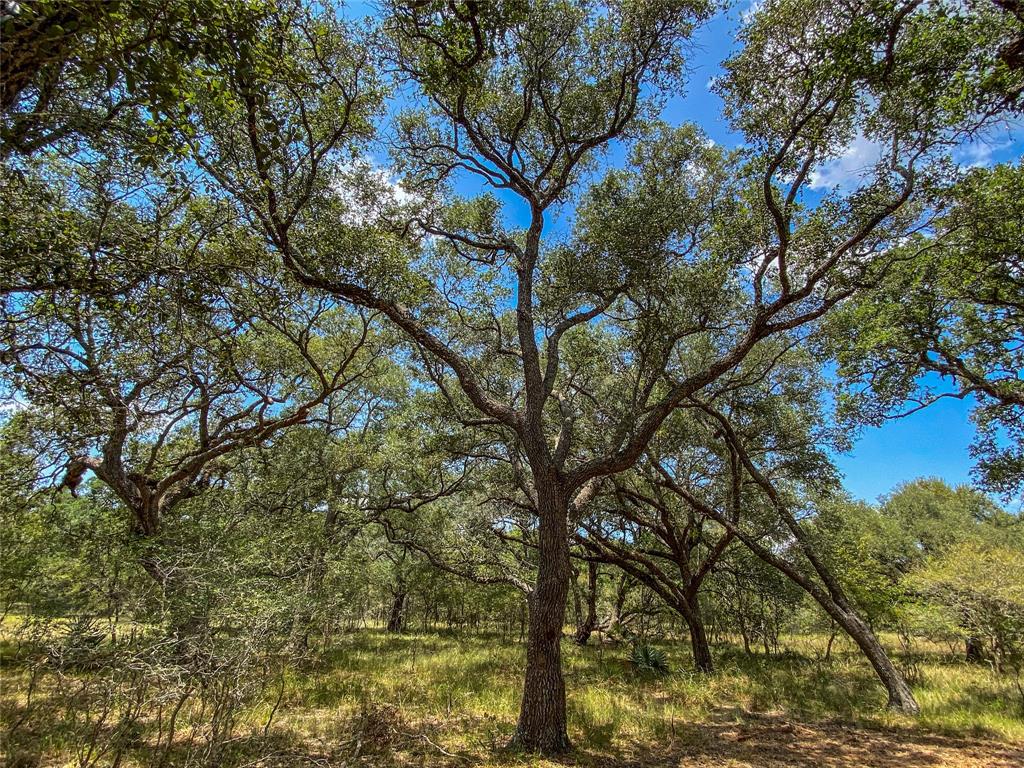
column 611, row 623
column 589, row 621
column 542, row 720
column 901, row 698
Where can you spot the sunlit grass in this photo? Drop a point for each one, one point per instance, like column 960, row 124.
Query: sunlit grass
column 432, row 677
column 460, row 694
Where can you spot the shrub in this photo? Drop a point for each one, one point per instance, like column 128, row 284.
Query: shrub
column 647, row 659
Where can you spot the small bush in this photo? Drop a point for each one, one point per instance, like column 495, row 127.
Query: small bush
column 77, row 645
column 377, row 728
column 647, row 659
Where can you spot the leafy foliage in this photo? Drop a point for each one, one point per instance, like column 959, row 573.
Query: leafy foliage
column 982, row 587
column 648, row 659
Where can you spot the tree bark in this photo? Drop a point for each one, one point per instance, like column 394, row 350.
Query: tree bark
column 831, row 641
column 974, row 650
column 702, row 660
column 901, row 698
column 610, row 624
column 542, row 719
column 832, row 600
column 589, row 620
column 189, row 618
column 396, row 619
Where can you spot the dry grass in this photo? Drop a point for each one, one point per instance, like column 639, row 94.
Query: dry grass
column 452, row 700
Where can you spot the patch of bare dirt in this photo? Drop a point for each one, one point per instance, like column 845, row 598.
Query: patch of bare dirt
column 768, row 742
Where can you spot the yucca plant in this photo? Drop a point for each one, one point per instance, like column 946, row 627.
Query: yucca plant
column 647, row 659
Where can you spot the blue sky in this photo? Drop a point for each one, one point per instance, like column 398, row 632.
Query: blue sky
column 931, row 442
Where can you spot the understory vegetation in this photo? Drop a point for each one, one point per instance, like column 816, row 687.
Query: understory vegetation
column 451, row 697
column 400, row 662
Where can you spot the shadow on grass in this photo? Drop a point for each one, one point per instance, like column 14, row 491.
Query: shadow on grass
column 374, row 736
column 760, row 741
column 738, row 739
column 774, row 742
column 820, row 714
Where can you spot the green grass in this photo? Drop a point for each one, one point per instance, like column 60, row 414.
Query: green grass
column 459, row 694
column 466, row 689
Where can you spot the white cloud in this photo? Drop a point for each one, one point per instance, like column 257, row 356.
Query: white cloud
column 747, row 15
column 980, row 153
column 369, row 189
column 856, row 161
column 9, row 406
column 849, row 169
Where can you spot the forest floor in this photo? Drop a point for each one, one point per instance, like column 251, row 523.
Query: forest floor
column 451, row 700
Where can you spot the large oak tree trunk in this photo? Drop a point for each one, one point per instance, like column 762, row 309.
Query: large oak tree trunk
column 303, row 619
column 187, row 614
column 396, row 620
column 316, row 568
column 702, row 660
column 542, row 721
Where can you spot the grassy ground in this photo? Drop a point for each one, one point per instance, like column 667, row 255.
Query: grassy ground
column 452, row 700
